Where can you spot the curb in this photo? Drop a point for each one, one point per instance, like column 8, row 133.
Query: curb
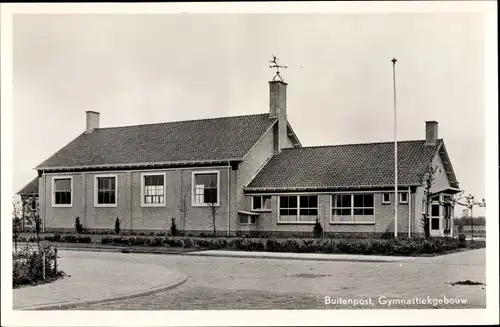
column 223, row 255
column 181, row 279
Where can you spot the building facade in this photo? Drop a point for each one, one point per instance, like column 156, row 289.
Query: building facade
column 251, row 171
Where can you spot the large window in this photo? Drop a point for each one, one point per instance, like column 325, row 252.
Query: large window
column 353, row 208
column 205, row 188
column 62, row 188
column 153, row 189
column 105, row 191
column 298, row 208
column 261, row 203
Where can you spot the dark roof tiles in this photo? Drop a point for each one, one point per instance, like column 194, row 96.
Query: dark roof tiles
column 351, row 165
column 193, row 140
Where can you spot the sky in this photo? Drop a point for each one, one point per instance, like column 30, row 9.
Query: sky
column 149, row 68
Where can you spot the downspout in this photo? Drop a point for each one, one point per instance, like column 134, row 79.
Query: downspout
column 409, row 212
column 132, row 203
column 85, row 200
column 228, row 197
column 45, row 199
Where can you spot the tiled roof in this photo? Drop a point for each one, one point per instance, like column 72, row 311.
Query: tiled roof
column 30, row 188
column 184, row 141
column 344, row 166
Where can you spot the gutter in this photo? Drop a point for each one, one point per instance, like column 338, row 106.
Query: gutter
column 228, row 197
column 140, row 165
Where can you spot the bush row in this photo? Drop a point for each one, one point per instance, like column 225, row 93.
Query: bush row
column 403, row 247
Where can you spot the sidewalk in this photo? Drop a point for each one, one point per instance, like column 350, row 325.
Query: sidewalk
column 116, row 248
column 94, row 280
column 301, row 256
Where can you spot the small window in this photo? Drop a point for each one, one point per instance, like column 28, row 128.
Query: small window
column 153, row 189
column 386, row 198
column 261, row 203
column 105, row 191
column 62, row 188
column 247, row 220
column 403, row 197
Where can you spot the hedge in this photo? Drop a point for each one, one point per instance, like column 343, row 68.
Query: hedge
column 400, row 247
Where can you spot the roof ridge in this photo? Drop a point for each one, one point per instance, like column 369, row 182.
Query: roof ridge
column 351, row 144
column 182, row 121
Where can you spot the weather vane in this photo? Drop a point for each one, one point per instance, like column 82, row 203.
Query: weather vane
column 277, row 66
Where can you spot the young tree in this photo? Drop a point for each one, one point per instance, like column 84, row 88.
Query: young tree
column 427, row 180
column 32, row 216
column 17, row 212
column 183, row 204
column 469, row 202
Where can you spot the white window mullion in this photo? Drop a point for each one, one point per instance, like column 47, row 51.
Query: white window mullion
column 352, row 207
column 298, row 207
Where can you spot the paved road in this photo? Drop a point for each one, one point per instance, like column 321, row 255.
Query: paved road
column 241, row 283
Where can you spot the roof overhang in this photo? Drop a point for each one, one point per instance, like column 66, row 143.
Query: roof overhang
column 448, row 190
column 325, row 188
column 141, row 165
column 248, row 213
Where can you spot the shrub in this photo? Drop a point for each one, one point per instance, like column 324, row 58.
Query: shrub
column 78, row 225
column 117, row 226
column 461, row 241
column 317, row 229
column 28, row 265
column 173, row 227
column 188, row 243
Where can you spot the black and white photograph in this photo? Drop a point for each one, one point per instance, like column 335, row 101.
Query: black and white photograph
column 191, row 164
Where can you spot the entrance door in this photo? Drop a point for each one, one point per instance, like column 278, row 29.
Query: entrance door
column 435, row 220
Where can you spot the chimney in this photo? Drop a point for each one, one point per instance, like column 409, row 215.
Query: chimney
column 431, row 132
column 92, row 121
column 277, row 109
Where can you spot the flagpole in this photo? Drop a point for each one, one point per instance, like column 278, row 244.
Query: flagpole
column 395, row 152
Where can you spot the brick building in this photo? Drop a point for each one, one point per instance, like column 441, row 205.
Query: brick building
column 252, row 168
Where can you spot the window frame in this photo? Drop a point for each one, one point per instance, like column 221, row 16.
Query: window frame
column 143, row 189
column 54, row 178
column 400, row 197
column 193, row 187
column 261, row 209
column 297, row 221
column 249, row 219
column 96, row 192
column 383, row 198
column 352, row 221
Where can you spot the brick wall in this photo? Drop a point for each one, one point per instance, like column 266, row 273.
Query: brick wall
column 132, row 215
column 384, row 217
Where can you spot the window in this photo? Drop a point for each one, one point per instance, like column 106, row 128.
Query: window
column 352, row 208
column 62, row 195
column 386, row 198
column 435, row 210
column 298, row 208
column 206, row 188
column 308, row 208
column 403, row 197
column 247, row 220
column 105, row 191
column 153, row 189
column 261, row 203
